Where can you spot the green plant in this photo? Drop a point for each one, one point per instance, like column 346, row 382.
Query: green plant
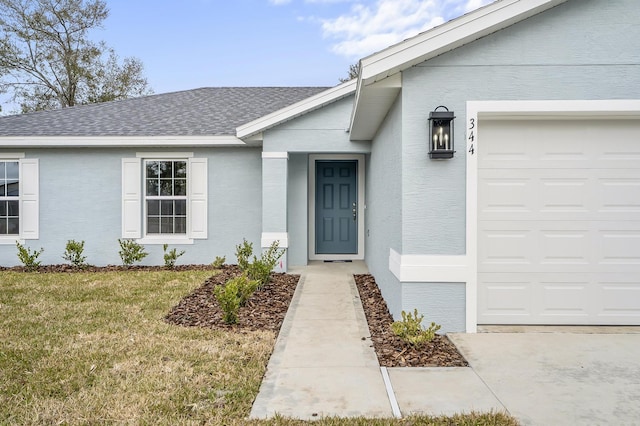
column 410, row 329
column 171, row 256
column 130, row 252
column 219, row 262
column 73, row 253
column 246, row 288
column 243, row 253
column 227, row 297
column 260, row 269
column 29, row 258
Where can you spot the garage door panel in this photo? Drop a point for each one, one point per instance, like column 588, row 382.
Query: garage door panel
column 559, row 222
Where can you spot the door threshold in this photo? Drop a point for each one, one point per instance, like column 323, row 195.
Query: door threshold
column 338, row 261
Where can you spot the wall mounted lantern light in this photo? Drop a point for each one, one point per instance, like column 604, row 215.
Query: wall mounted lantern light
column 441, row 133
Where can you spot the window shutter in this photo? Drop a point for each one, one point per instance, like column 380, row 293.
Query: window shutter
column 198, row 198
column 29, row 200
column 131, row 198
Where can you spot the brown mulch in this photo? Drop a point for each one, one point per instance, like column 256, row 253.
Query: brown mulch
column 265, row 310
column 393, row 351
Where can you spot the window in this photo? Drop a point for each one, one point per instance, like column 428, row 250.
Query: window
column 9, row 198
column 19, row 192
column 164, row 198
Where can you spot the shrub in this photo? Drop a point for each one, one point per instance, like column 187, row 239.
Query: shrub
column 410, row 329
column 246, row 288
column 130, row 252
column 227, row 297
column 171, row 256
column 219, row 262
column 73, row 253
column 260, row 269
column 243, row 253
column 28, row 257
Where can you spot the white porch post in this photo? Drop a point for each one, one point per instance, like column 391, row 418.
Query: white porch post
column 274, row 203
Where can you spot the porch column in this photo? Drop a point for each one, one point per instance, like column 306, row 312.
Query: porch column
column 274, row 203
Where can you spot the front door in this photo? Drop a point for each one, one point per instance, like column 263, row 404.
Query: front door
column 336, row 207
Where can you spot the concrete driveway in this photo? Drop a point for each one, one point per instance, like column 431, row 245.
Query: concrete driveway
column 565, row 377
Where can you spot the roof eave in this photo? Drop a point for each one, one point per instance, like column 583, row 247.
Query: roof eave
column 118, row 141
column 435, row 42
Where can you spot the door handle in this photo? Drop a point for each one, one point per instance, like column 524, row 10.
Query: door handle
column 354, row 211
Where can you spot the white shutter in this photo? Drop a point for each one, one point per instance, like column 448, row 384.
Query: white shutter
column 29, row 202
column 197, row 183
column 131, row 198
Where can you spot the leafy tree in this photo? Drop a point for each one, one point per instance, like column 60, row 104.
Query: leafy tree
column 354, row 70
column 48, row 61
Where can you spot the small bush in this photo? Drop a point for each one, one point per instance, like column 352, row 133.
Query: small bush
column 219, row 262
column 243, row 253
column 130, row 252
column 171, row 256
column 260, row 269
column 410, row 329
column 29, row 258
column 73, row 253
column 246, row 288
column 227, row 297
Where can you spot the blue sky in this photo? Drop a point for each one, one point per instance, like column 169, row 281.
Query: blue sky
column 196, row 43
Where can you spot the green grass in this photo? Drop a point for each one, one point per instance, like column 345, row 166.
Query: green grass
column 91, row 348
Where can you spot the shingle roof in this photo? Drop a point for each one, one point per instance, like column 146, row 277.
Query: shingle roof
column 211, row 111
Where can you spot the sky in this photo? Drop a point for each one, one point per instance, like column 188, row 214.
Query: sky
column 188, row 44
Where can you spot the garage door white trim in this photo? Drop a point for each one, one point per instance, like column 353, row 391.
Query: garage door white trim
column 477, row 111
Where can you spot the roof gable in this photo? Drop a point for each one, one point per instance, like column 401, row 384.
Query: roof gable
column 379, row 81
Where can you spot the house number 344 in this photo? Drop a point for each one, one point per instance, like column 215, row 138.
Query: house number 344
column 472, row 137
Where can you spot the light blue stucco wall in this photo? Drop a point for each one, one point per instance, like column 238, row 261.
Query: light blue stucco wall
column 384, row 205
column 298, row 209
column 81, row 199
column 580, row 50
column 442, row 303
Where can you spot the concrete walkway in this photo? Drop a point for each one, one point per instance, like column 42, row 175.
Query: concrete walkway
column 324, row 365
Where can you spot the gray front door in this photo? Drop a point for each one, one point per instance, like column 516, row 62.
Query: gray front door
column 336, row 207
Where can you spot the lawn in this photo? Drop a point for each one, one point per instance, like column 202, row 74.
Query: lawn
column 87, row 348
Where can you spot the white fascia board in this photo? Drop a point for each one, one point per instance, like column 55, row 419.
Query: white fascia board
column 297, row 109
column 556, row 109
column 448, row 36
column 118, row 141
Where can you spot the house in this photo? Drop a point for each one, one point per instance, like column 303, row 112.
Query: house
column 534, row 220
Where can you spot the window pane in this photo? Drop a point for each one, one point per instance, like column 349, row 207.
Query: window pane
column 181, row 225
column 181, row 207
column 153, row 207
column 13, row 188
column 153, row 187
column 180, row 169
column 13, row 226
column 3, row 208
column 153, row 225
column 3, row 226
column 12, row 170
column 166, row 187
column 167, row 208
column 180, row 187
column 2, row 170
column 165, row 169
column 166, row 225
column 13, row 208
column 3, row 188
column 153, row 168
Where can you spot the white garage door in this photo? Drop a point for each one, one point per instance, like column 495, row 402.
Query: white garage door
column 559, row 222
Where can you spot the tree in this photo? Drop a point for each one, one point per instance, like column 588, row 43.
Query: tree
column 354, row 70
column 48, row 61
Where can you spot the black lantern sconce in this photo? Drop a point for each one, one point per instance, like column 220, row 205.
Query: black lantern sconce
column 441, row 133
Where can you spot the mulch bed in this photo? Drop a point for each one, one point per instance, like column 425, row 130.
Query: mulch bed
column 393, row 351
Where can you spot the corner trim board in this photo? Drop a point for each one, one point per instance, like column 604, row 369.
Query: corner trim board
column 276, row 155
column 428, row 268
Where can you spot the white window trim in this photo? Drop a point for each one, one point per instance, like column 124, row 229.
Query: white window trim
column 28, row 199
column 133, row 199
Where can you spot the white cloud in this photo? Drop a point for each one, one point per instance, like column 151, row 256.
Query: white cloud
column 279, row 2
column 367, row 28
